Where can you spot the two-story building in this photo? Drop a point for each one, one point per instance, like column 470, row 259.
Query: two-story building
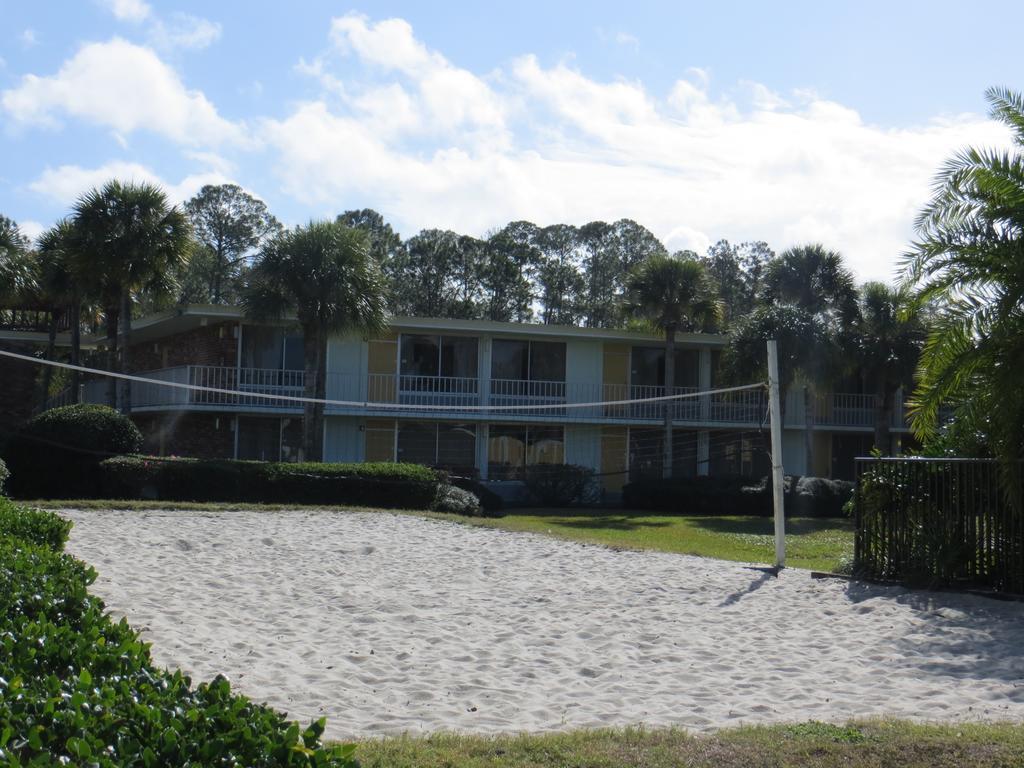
column 478, row 397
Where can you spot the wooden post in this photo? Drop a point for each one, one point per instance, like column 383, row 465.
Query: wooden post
column 778, row 476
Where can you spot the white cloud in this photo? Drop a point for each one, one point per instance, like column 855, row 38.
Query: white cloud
column 550, row 144
column 184, row 31
column 124, row 87
column 31, row 229
column 134, row 11
column 66, row 183
column 28, row 38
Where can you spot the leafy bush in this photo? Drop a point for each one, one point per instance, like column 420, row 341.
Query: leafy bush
column 77, row 688
column 46, row 529
column 558, row 485
column 4, row 474
column 408, row 486
column 491, row 502
column 457, row 501
column 820, row 497
column 56, row 453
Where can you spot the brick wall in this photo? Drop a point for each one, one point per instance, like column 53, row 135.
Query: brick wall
column 198, row 435
column 213, row 344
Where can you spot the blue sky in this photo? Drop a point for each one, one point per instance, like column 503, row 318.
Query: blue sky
column 786, row 122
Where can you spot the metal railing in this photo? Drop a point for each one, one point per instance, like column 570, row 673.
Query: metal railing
column 939, row 522
column 746, row 408
column 848, row 410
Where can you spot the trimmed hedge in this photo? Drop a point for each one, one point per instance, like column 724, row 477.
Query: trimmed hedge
column 804, row 496
column 56, row 453
column 76, row 688
column 395, row 486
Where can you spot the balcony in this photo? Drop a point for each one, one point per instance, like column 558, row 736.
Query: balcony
column 260, row 390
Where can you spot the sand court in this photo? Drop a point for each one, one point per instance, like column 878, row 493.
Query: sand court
column 388, row 623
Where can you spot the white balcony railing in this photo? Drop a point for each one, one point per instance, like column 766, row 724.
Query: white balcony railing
column 248, row 388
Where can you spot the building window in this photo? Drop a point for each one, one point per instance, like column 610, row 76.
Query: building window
column 434, row 356
column 270, row 348
column 648, row 367
column 647, row 452
column 739, row 454
column 528, row 360
column 447, row 446
column 513, row 447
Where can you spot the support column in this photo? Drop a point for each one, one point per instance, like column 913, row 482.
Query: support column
column 703, row 453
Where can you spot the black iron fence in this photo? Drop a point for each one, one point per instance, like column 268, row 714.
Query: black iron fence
column 939, row 522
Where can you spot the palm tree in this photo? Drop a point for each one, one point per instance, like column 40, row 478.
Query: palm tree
column 16, row 274
column 128, row 239
column 58, row 289
column 672, row 294
column 324, row 273
column 968, row 259
column 813, row 281
column 887, row 335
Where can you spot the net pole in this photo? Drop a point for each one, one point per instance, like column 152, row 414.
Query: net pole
column 778, row 477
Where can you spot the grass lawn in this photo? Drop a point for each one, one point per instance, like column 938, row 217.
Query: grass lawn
column 818, row 544
column 856, row 745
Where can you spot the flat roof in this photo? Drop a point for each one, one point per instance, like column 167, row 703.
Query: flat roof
column 190, row 316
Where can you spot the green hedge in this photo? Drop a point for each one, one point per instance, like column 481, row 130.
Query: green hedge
column 804, row 496
column 395, row 486
column 56, row 453
column 46, row 529
column 77, row 688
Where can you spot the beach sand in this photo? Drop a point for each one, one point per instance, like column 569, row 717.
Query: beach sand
column 388, row 623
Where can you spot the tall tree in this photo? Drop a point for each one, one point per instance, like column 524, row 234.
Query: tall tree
column 673, row 295
column 559, row 279
column 386, row 247
column 16, row 275
column 127, row 239
column 738, row 272
column 968, row 260
column 422, row 284
column 230, row 225
column 324, row 273
column 510, row 260
column 59, row 290
column 888, row 333
column 813, row 282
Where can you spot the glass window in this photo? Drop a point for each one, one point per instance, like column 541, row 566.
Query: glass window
column 419, row 355
column 513, row 447
column 459, row 357
column 259, row 439
column 547, row 361
column 545, row 445
column 456, row 448
column 687, row 368
column 261, row 347
column 648, row 367
column 510, row 359
column 294, row 355
column 506, row 452
column 417, row 443
column 647, row 452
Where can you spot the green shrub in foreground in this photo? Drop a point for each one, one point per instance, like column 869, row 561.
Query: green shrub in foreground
column 77, row 688
column 559, row 485
column 34, row 526
column 394, row 486
column 56, row 453
column 457, row 501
